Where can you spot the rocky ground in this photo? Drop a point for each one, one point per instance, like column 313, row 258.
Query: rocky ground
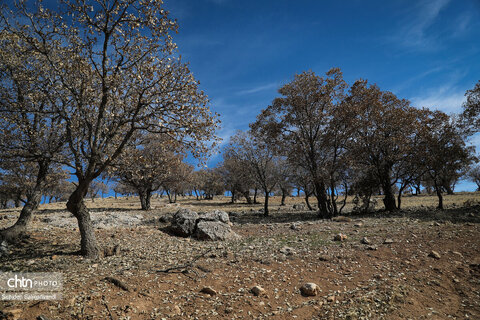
column 415, row 264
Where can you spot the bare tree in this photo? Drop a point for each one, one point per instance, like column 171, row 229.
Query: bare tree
column 384, row 126
column 117, row 73
column 145, row 165
column 302, row 120
column 31, row 135
column 260, row 155
column 474, row 175
column 471, row 110
column 447, row 153
column 237, row 175
column 95, row 188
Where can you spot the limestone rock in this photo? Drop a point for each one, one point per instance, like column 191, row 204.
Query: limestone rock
column 340, row 237
column 365, row 240
column 216, row 215
column 208, row 290
column 309, row 289
column 341, row 219
column 184, row 222
column 214, row 230
column 257, row 291
column 434, row 254
column 299, row 206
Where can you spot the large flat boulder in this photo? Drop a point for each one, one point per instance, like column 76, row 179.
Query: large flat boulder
column 214, row 230
column 214, row 225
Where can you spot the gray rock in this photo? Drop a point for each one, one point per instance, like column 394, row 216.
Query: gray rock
column 299, row 206
column 184, row 222
column 434, row 254
column 214, row 230
column 3, row 249
column 216, row 215
column 365, row 240
column 309, row 289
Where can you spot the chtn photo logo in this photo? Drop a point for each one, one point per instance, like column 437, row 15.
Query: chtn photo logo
column 17, row 282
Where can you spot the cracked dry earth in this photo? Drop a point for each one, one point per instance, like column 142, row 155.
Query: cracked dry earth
column 397, row 280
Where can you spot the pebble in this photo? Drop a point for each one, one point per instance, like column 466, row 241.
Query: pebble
column 365, row 240
column 309, row 289
column 257, row 291
column 434, row 254
column 340, row 237
column 209, row 291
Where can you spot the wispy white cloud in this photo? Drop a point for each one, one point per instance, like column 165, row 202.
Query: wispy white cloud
column 415, row 31
column 259, row 88
column 447, row 98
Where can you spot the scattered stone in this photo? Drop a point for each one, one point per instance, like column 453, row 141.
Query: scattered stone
column 299, row 206
column 341, row 219
column 294, row 226
column 331, row 299
column 110, row 251
column 340, row 237
column 208, row 290
column 324, row 258
column 434, row 254
column 388, row 241
column 42, row 317
column 257, row 291
column 309, row 289
column 457, row 254
column 372, row 248
column 358, row 224
column 287, row 251
column 365, row 240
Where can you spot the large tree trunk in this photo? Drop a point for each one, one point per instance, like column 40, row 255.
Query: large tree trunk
column 389, row 199
column 321, row 196
column 33, row 200
column 246, row 194
column 284, row 196
column 399, row 197
column 255, row 196
column 265, row 205
column 333, row 199
column 145, row 196
column 76, row 205
column 307, row 195
column 233, row 197
column 438, row 190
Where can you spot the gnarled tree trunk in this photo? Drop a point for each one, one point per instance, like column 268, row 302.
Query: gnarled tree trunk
column 321, row 195
column 33, row 200
column 76, row 205
column 145, row 196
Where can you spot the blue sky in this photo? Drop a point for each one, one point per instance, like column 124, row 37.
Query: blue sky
column 243, row 51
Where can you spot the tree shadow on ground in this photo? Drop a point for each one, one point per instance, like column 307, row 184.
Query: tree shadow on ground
column 217, row 204
column 91, row 210
column 30, row 248
column 454, row 215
